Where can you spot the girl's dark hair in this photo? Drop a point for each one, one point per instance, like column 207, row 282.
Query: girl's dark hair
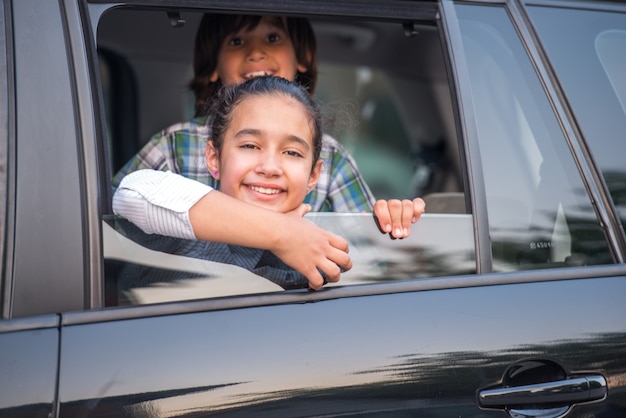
column 215, row 28
column 227, row 98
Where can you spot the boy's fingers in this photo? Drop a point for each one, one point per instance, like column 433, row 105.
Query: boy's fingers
column 382, row 216
column 419, row 207
column 395, row 211
column 407, row 217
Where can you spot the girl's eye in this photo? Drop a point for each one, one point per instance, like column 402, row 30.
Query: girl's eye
column 295, row 154
column 235, row 42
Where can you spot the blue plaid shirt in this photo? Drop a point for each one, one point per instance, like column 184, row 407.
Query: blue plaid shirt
column 181, row 149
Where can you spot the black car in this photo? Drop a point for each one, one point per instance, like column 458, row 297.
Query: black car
column 508, row 117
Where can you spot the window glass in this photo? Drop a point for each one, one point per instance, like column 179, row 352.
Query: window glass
column 539, row 212
column 592, row 76
column 146, row 268
column 391, row 112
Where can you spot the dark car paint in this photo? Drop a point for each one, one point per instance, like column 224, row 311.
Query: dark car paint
column 421, row 347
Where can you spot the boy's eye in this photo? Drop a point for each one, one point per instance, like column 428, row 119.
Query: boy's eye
column 248, row 146
column 273, row 37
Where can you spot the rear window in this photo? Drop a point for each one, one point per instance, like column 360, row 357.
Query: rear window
column 540, row 214
column 587, row 49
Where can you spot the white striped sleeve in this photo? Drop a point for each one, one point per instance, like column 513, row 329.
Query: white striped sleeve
column 158, row 202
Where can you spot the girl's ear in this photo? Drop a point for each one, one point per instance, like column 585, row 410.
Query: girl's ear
column 315, row 175
column 212, row 160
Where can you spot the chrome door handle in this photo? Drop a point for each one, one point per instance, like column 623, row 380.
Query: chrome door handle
column 569, row 391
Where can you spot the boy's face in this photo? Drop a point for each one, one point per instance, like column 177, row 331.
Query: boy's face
column 267, row 154
column 265, row 50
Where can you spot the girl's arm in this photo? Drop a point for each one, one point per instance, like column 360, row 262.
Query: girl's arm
column 296, row 241
column 169, row 204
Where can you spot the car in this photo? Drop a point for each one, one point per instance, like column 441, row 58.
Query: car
column 507, row 116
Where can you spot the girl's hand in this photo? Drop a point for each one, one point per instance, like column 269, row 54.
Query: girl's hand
column 394, row 217
column 311, row 249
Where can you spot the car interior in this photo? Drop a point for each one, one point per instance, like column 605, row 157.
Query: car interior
column 383, row 87
column 391, row 110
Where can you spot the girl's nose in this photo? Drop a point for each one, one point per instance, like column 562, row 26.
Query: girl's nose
column 269, row 166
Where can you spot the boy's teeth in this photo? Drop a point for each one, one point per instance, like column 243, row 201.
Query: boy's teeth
column 257, row 74
column 264, row 190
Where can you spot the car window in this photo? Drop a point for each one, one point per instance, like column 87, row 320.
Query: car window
column 539, row 212
column 592, row 76
column 393, row 113
column 146, row 268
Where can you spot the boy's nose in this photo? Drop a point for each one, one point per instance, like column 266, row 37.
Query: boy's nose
column 255, row 51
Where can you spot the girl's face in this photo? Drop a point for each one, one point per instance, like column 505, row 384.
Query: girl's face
column 265, row 50
column 267, row 154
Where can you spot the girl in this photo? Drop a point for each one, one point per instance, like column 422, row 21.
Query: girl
column 265, row 151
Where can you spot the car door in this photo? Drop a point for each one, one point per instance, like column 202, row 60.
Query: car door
column 538, row 330
column 537, row 327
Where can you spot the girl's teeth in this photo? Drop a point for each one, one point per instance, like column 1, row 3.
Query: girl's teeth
column 265, row 190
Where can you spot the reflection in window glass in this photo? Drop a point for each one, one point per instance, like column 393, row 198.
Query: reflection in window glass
column 611, row 45
column 539, row 212
column 592, row 76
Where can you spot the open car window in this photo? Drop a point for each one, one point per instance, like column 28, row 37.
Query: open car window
column 392, row 112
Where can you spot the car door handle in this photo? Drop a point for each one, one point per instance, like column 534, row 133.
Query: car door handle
column 570, row 391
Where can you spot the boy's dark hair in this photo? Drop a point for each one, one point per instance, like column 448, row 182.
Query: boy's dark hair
column 214, row 28
column 227, row 98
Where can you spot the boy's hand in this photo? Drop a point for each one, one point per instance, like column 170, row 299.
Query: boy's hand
column 394, row 217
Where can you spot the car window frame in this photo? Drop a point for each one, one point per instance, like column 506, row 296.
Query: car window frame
column 6, row 157
column 476, row 191
column 397, row 9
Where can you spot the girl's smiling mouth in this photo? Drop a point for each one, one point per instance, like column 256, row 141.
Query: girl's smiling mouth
column 265, row 190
